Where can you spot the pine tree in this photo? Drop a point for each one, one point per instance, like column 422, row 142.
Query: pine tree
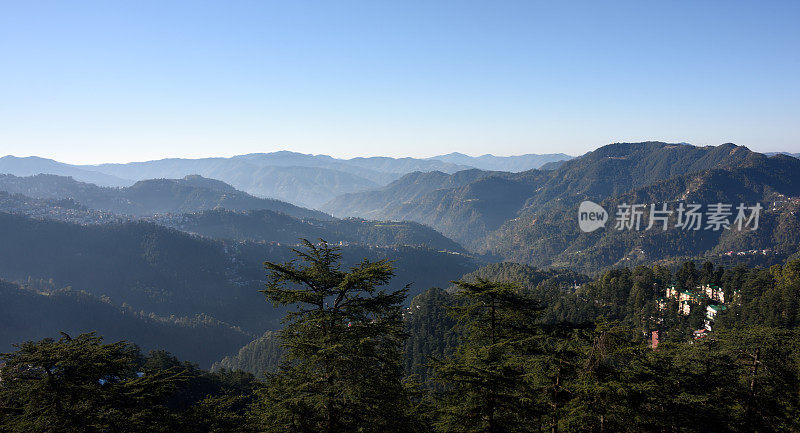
column 599, row 394
column 485, row 380
column 343, row 339
column 557, row 368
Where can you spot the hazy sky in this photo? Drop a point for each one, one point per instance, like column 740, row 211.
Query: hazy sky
column 135, row 80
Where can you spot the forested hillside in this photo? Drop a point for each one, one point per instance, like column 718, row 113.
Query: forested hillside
column 531, row 217
column 34, row 311
column 553, row 238
column 407, row 189
column 268, row 226
column 583, row 358
column 153, row 269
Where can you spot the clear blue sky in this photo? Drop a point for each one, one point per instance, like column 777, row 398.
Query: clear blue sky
column 135, row 80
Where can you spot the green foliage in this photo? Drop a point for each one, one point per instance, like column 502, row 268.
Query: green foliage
column 159, row 287
column 430, row 332
column 522, row 350
column 35, row 311
column 259, row 357
column 82, row 385
column 343, row 342
column 485, row 379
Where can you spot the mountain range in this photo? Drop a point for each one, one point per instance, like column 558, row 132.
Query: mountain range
column 503, row 163
column 301, row 179
column 525, row 216
column 31, row 312
column 32, row 165
column 177, row 251
column 147, row 197
column 175, row 264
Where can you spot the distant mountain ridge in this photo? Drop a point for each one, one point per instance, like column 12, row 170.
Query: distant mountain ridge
column 33, row 165
column 793, row 155
column 147, row 197
column 206, row 207
column 302, row 179
column 512, row 164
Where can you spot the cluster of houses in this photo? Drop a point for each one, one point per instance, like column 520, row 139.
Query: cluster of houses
column 763, row 252
column 709, row 295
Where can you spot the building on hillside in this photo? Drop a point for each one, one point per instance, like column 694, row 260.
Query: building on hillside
column 711, row 314
column 710, row 296
column 685, row 308
column 685, row 295
column 672, row 291
column 714, row 293
column 691, row 296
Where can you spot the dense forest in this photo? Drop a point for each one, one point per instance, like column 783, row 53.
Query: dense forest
column 507, row 348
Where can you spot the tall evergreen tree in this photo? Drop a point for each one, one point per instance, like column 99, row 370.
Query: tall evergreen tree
column 599, row 394
column 558, row 367
column 485, row 380
column 343, row 339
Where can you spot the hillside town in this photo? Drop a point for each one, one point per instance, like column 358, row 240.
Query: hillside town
column 711, row 298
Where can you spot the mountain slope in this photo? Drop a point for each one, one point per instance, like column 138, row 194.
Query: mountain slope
column 252, row 225
column 379, row 203
column 260, row 356
column 265, row 225
column 617, row 168
column 167, row 272
column 29, row 314
column 190, row 194
column 467, row 213
column 470, row 210
column 552, row 237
